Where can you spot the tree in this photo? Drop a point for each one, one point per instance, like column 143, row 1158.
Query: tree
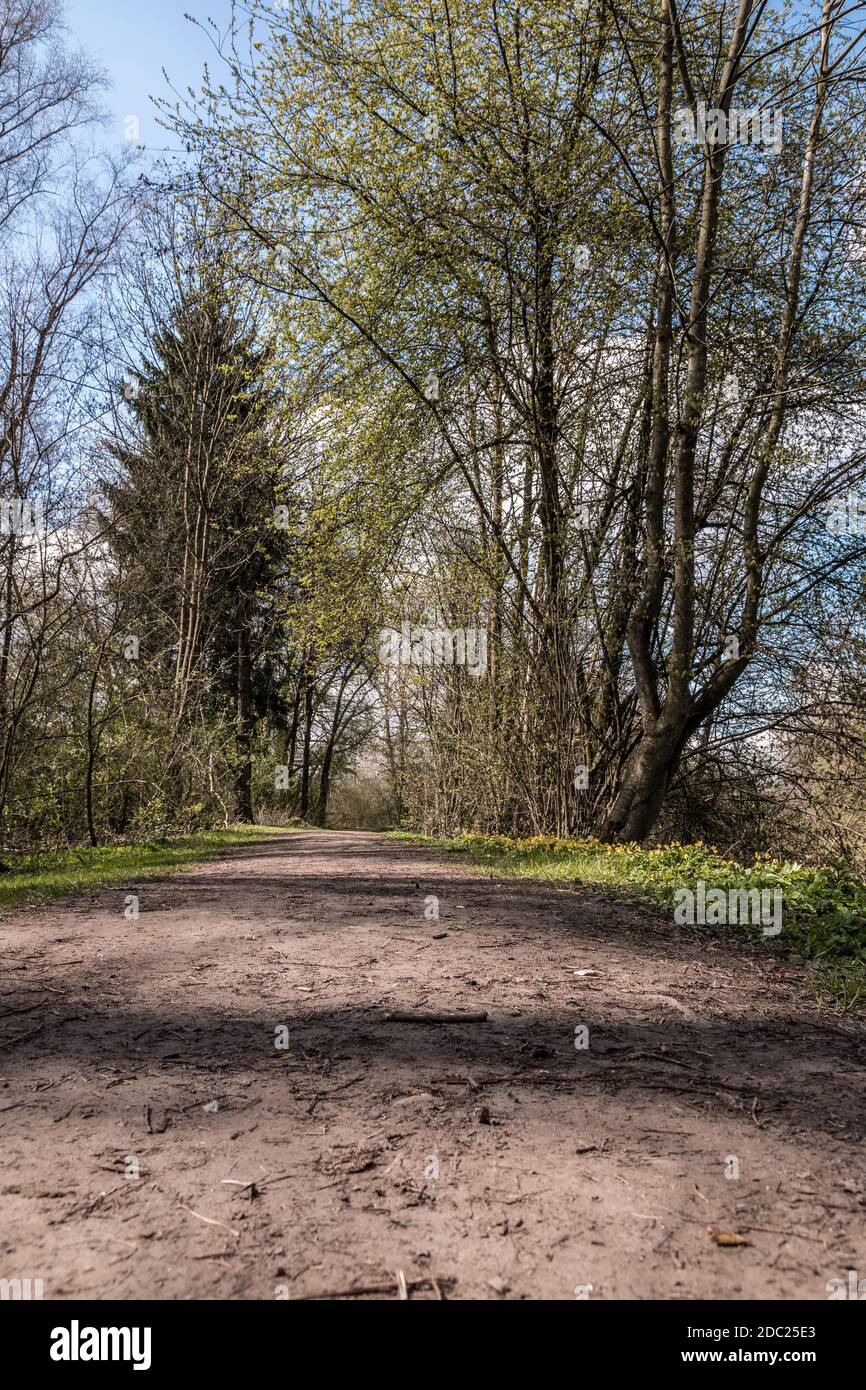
column 62, row 212
column 633, row 444
column 192, row 513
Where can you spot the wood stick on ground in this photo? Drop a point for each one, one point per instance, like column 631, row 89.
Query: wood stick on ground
column 401, row 1016
column 211, row 1221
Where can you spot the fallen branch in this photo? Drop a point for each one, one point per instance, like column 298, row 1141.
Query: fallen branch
column 515, row 1079
column 401, row 1017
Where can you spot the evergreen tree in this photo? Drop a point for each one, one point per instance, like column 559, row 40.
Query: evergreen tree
column 191, row 514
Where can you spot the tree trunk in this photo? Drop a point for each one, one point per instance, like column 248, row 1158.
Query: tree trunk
column 92, row 747
column 328, row 758
column 305, row 770
column 667, row 724
column 641, row 797
column 244, row 726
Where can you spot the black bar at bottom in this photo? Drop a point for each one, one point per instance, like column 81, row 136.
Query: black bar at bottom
column 63, row 1339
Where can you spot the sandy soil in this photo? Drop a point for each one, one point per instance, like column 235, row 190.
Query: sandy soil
column 156, row 1141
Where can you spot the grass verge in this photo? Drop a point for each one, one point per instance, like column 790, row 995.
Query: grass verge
column 35, row 878
column 823, row 907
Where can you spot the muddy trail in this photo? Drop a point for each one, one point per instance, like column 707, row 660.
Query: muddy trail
column 211, row 1101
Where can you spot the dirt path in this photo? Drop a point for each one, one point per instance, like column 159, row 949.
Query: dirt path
column 149, row 1046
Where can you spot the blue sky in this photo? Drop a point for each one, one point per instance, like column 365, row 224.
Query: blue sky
column 133, row 40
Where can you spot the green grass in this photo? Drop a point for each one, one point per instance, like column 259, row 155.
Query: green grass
column 37, row 877
column 823, row 907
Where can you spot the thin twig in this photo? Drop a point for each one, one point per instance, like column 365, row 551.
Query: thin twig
column 210, row 1221
column 362, row 1289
